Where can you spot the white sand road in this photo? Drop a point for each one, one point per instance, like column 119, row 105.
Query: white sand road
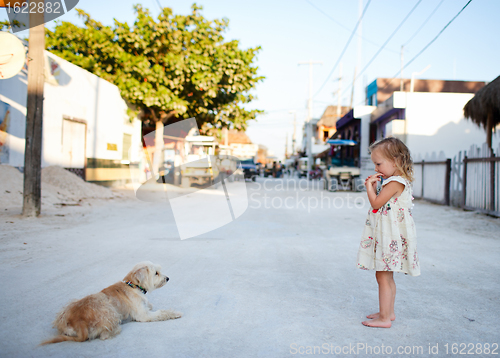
column 279, row 281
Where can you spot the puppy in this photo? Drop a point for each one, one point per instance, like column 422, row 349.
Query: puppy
column 100, row 314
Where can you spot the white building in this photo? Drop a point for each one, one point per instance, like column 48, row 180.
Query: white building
column 429, row 120
column 242, row 150
column 85, row 123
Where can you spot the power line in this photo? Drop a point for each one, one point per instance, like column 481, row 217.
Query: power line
column 423, row 24
column 440, row 32
column 159, row 5
column 345, row 27
column 345, row 47
column 426, row 46
column 385, row 43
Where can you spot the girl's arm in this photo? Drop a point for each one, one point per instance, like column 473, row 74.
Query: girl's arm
column 388, row 191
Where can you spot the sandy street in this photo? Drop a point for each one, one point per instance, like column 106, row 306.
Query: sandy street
column 279, row 281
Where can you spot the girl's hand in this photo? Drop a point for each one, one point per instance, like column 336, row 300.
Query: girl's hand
column 372, row 180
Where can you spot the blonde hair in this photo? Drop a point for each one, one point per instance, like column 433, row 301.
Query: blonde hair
column 396, row 151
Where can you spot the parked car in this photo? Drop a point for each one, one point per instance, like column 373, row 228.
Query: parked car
column 249, row 168
column 259, row 168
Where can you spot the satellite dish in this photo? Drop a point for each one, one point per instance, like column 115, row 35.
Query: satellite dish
column 12, row 55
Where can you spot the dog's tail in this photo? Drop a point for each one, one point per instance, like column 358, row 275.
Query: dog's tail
column 82, row 335
column 62, row 338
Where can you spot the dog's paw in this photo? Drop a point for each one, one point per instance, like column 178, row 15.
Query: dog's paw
column 169, row 314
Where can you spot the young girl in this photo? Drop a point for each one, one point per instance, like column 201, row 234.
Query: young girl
column 389, row 238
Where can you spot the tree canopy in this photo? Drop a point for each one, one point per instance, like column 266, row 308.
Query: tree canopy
column 6, row 24
column 177, row 66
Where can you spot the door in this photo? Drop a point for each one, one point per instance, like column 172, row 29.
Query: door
column 73, row 144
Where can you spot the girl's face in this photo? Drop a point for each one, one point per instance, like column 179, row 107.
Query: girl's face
column 383, row 165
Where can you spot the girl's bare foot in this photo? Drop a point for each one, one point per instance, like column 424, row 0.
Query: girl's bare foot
column 377, row 315
column 377, row 322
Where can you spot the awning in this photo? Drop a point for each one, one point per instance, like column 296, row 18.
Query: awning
column 393, row 112
column 349, row 116
column 341, row 142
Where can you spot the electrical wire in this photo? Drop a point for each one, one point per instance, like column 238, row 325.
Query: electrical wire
column 426, row 46
column 423, row 24
column 381, row 48
column 159, row 5
column 345, row 48
column 345, row 27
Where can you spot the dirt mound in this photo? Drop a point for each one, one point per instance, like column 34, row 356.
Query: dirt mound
column 58, row 186
column 71, row 185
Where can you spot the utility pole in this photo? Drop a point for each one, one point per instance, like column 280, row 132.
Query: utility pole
column 286, row 145
column 359, row 50
column 401, row 85
column 294, row 130
column 309, row 115
column 352, row 89
column 339, row 104
column 32, row 201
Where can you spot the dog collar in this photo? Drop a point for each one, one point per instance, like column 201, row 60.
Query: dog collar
column 136, row 286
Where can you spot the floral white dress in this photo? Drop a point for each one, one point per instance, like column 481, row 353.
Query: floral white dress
column 389, row 241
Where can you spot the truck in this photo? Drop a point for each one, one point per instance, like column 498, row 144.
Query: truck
column 342, row 173
column 198, row 169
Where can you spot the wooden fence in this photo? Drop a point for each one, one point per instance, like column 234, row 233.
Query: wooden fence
column 481, row 169
column 432, row 181
column 471, row 180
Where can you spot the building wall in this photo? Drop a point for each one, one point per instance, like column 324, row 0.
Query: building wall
column 320, row 134
column 382, row 88
column 244, row 150
column 435, row 123
column 74, row 95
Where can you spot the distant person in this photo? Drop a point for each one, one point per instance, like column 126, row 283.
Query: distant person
column 275, row 169
column 389, row 241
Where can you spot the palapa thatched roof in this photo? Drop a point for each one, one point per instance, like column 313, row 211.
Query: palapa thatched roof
column 484, row 108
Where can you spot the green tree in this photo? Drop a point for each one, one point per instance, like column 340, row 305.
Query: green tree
column 7, row 25
column 173, row 67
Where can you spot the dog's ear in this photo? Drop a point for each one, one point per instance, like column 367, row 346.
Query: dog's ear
column 138, row 275
column 141, row 275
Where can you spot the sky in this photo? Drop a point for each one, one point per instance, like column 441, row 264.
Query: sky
column 294, row 31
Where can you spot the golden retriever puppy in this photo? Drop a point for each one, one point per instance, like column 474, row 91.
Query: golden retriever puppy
column 100, row 314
